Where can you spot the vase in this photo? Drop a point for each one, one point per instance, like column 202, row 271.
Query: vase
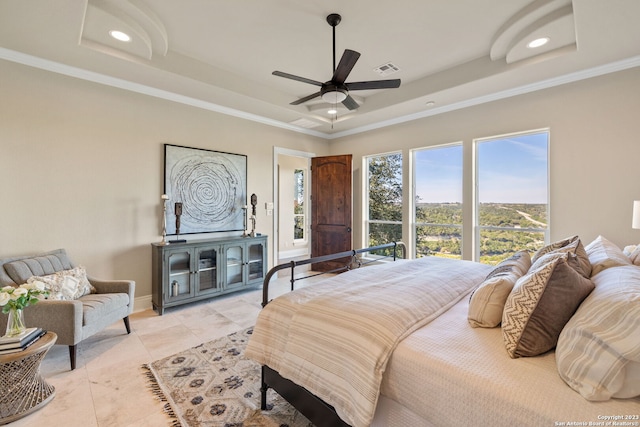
column 15, row 323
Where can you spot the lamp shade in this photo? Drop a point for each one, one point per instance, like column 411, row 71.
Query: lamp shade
column 636, row 214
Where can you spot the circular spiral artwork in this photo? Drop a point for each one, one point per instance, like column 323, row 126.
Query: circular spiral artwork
column 211, row 188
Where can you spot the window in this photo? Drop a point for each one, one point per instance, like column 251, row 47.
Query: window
column 438, row 201
column 384, row 199
column 298, row 205
column 512, row 195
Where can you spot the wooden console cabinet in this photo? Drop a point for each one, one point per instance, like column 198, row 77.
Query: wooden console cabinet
column 200, row 269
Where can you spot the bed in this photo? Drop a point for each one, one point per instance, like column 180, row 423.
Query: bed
column 550, row 338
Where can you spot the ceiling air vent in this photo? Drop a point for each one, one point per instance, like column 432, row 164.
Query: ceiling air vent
column 305, row 123
column 386, row 69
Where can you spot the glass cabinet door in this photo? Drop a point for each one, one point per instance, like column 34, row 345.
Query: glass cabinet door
column 256, row 267
column 208, row 270
column 235, row 262
column 180, row 285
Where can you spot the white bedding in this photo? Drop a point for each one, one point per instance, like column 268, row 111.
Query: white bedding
column 335, row 337
column 444, row 373
column 449, row 373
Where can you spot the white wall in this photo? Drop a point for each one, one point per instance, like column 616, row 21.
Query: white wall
column 594, row 151
column 81, row 167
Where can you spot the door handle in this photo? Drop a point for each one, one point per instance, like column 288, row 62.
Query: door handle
column 348, row 229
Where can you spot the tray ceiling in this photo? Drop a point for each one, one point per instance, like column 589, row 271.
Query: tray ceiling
column 220, row 54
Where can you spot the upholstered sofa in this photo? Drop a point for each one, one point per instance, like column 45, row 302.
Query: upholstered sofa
column 72, row 320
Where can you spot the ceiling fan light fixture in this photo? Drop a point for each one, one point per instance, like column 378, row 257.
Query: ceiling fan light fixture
column 334, row 96
column 332, row 111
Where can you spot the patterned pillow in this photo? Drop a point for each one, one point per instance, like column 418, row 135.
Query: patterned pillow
column 598, row 352
column 66, row 284
column 487, row 301
column 604, row 254
column 571, row 245
column 541, row 303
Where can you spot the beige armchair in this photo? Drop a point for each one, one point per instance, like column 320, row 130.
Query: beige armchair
column 73, row 320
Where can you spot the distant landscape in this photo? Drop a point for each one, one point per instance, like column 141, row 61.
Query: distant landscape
column 495, row 245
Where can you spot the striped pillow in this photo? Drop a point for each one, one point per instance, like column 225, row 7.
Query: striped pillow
column 598, row 351
column 487, row 301
column 604, row 254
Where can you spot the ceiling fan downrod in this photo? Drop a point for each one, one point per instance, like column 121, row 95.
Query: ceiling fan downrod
column 333, row 20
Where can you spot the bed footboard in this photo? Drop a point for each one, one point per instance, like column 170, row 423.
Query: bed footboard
column 390, row 251
column 315, row 409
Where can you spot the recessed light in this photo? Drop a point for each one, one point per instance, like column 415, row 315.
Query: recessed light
column 332, row 111
column 430, row 103
column 538, row 42
column 119, row 35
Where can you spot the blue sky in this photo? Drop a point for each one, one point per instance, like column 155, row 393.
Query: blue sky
column 510, row 170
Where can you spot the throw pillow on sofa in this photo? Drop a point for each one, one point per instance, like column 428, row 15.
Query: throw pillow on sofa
column 66, row 284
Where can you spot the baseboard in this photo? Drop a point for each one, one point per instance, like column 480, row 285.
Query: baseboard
column 142, row 303
column 293, row 253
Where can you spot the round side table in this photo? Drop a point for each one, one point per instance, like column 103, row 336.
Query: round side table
column 23, row 390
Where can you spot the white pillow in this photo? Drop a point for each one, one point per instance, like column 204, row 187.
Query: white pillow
column 604, row 254
column 66, row 284
column 634, row 256
column 487, row 301
column 598, row 351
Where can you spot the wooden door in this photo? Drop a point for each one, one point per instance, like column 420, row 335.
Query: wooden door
column 331, row 182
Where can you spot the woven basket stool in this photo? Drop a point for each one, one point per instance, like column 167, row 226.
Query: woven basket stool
column 23, row 389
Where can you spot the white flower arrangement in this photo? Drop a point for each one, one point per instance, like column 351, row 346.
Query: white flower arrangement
column 12, row 298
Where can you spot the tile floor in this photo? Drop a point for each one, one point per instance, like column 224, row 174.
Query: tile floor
column 108, row 388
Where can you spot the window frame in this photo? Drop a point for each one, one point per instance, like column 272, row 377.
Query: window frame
column 477, row 228
column 303, row 215
column 366, row 199
column 413, row 153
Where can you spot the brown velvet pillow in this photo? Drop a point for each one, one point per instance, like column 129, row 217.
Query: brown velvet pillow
column 571, row 245
column 541, row 303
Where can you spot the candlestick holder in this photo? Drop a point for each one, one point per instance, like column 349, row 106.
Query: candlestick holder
column 164, row 199
column 244, row 221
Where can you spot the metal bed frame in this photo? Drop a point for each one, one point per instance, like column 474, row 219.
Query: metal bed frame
column 320, row 413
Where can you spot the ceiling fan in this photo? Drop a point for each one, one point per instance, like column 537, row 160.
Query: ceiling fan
column 337, row 89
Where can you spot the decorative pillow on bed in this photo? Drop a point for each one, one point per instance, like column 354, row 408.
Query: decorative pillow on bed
column 571, row 245
column 604, row 254
column 598, row 352
column 66, row 284
column 541, row 303
column 487, row 301
column 634, row 256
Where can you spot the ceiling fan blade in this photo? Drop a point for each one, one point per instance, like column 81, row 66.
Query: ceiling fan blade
column 376, row 84
column 305, row 99
column 347, row 62
column 350, row 103
column 297, row 78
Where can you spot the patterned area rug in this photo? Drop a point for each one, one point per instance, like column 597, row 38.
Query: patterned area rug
column 214, row 385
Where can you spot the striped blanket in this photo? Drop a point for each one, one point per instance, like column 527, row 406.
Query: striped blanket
column 334, row 338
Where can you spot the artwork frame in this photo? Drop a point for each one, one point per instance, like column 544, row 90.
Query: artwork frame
column 211, row 185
